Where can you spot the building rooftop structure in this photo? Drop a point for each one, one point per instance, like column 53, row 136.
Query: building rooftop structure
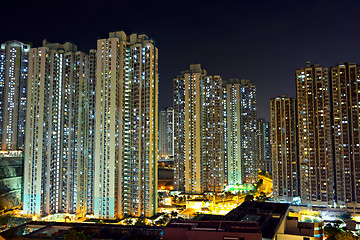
column 209, row 230
column 306, row 230
column 57, row 230
column 270, row 216
column 250, row 220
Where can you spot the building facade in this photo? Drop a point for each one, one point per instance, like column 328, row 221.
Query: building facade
column 198, row 158
column 345, row 89
column 126, row 136
column 55, row 163
column 285, row 169
column 314, row 134
column 13, row 84
column 214, row 177
column 263, row 146
column 240, row 125
column 166, row 133
column 91, row 130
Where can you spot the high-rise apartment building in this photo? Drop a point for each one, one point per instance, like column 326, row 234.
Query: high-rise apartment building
column 126, row 142
column 225, row 132
column 314, row 134
column 91, row 130
column 345, row 89
column 198, row 159
column 240, row 125
column 263, row 146
column 284, row 156
column 55, row 163
column 179, row 133
column 13, row 84
column 214, row 175
column 166, row 133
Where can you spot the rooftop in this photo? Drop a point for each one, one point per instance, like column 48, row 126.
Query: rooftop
column 268, row 215
column 213, row 226
column 57, row 230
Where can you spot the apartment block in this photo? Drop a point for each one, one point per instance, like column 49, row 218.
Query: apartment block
column 263, row 145
column 314, row 135
column 166, row 133
column 126, row 133
column 240, row 127
column 198, row 158
column 285, row 169
column 13, row 84
column 55, row 163
column 345, row 89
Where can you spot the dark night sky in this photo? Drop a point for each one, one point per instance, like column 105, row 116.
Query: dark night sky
column 264, row 41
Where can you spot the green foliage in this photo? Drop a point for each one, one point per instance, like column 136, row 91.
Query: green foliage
column 345, row 216
column 74, row 235
column 128, row 221
column 160, row 222
column 345, row 236
column 331, row 232
column 262, row 197
column 228, row 195
column 4, row 219
column 174, row 214
column 260, row 182
column 140, row 221
column 12, row 221
column 249, row 198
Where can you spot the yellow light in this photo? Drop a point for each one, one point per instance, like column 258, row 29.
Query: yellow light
column 356, row 218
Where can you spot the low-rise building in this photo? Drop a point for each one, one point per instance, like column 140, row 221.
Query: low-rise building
column 211, row 230
column 296, row 230
column 251, row 220
column 58, row 230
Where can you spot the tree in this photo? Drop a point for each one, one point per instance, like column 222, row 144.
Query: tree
column 249, row 198
column 4, row 219
column 345, row 216
column 160, row 198
column 128, row 221
column 140, row 221
column 227, row 195
column 74, row 235
column 174, row 214
column 345, row 236
column 262, row 197
column 160, row 221
column 331, row 232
